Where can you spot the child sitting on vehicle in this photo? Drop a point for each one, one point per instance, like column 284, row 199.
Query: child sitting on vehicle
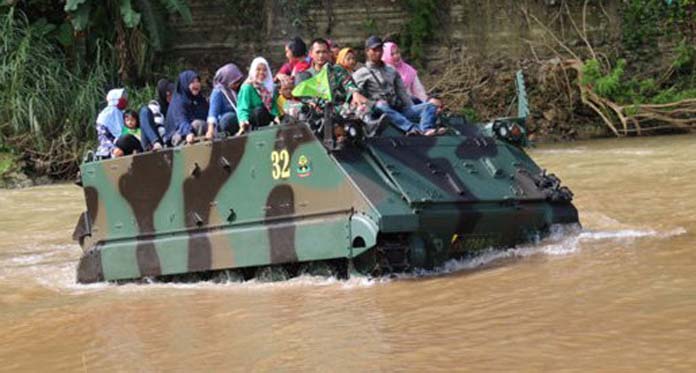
column 287, row 103
column 130, row 140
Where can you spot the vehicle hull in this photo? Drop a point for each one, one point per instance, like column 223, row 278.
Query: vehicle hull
column 278, row 197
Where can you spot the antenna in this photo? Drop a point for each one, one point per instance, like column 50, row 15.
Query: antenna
column 522, row 104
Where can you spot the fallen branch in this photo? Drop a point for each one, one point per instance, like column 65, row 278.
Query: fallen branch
column 620, row 119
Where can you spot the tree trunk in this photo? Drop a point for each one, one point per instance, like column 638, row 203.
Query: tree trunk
column 123, row 54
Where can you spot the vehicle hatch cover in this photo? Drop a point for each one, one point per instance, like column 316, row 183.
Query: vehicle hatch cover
column 453, row 169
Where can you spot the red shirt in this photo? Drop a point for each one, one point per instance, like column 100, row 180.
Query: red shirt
column 292, row 68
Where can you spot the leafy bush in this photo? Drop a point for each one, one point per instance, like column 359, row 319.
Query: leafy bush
column 632, row 92
column 138, row 29
column 606, row 85
column 6, row 163
column 141, row 96
column 47, row 109
column 686, row 55
column 420, row 27
column 642, row 23
column 41, row 98
column 470, row 114
column 673, row 95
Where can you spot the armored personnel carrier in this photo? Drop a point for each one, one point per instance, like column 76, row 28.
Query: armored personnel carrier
column 286, row 200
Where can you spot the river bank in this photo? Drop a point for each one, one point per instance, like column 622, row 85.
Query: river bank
column 14, row 176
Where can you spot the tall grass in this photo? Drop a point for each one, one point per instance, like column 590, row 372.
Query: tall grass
column 46, row 109
column 47, row 106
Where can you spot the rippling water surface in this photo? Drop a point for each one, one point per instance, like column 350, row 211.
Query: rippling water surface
column 618, row 294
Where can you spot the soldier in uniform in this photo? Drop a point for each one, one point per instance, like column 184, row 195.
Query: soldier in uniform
column 343, row 86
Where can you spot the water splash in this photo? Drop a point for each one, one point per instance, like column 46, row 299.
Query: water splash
column 630, row 152
column 52, row 269
column 252, row 285
column 580, row 150
column 562, row 240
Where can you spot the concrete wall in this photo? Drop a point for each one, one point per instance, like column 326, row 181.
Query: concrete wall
column 483, row 28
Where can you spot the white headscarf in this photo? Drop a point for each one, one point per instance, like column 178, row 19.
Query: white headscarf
column 114, row 95
column 268, row 82
column 111, row 117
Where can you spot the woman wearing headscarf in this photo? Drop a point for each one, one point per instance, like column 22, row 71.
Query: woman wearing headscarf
column 256, row 105
column 151, row 116
column 347, row 58
column 409, row 75
column 335, row 50
column 188, row 110
column 110, row 123
column 222, row 114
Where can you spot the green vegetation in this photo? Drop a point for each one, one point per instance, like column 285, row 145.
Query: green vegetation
column 420, row 28
column 641, row 23
column 653, row 30
column 615, row 87
column 49, row 102
column 650, row 29
column 470, row 114
column 645, row 22
column 136, row 29
column 45, row 107
column 7, row 163
column 59, row 57
column 640, row 88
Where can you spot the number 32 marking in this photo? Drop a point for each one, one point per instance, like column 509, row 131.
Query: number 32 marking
column 281, row 164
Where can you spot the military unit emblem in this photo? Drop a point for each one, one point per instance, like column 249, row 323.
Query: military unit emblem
column 304, row 167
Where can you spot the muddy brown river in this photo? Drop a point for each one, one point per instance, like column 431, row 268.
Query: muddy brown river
column 617, row 295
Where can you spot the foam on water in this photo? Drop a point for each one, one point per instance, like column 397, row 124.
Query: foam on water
column 253, row 285
column 630, row 152
column 583, row 150
column 561, row 151
column 563, row 240
column 55, row 269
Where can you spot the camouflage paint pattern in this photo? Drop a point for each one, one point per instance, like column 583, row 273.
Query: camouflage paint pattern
column 277, row 196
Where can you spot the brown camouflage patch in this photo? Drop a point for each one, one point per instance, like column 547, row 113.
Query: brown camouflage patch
column 281, row 203
column 291, row 137
column 90, row 267
column 153, row 170
column 200, row 191
column 92, row 200
column 145, row 184
column 148, row 259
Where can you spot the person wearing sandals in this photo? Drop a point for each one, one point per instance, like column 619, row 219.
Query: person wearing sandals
column 385, row 89
column 256, row 105
column 222, row 113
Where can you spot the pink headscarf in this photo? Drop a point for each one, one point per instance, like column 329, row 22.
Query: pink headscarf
column 407, row 72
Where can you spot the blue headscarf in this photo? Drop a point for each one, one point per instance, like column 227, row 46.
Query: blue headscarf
column 112, row 117
column 185, row 106
column 110, row 121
